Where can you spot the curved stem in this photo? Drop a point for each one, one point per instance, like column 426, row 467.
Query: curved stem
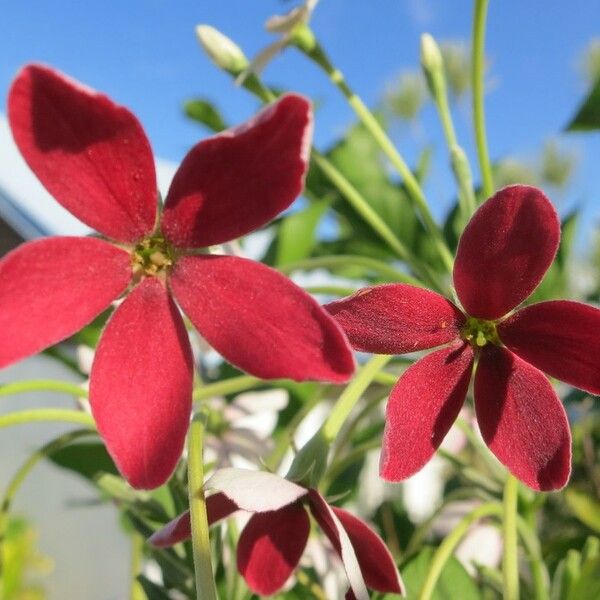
column 447, row 547
column 350, row 260
column 306, row 42
column 43, row 385
column 205, row 582
column 351, row 395
column 330, row 290
column 47, row 414
column 510, row 565
column 477, row 79
column 233, row 385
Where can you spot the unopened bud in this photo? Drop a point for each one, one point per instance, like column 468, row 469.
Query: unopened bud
column 433, row 65
column 225, row 53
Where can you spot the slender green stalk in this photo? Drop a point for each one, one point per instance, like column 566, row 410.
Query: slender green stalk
column 233, row 385
column 477, row 79
column 447, row 547
column 364, row 209
column 330, row 290
column 350, row 260
column 21, row 475
column 136, row 592
column 254, row 85
column 306, row 42
column 205, row 582
column 351, row 395
column 42, row 385
column 38, row 415
column 533, row 549
column 510, row 565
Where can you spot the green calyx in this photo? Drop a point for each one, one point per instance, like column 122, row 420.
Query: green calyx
column 479, row 332
column 152, row 256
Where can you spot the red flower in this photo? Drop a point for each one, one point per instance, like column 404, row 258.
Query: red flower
column 94, row 158
column 272, row 542
column 502, row 256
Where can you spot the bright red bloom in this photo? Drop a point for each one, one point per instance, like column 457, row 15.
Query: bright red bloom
column 502, row 256
column 273, row 540
column 93, row 156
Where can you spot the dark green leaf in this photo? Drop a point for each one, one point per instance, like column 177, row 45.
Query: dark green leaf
column 88, row 459
column 204, row 112
column 588, row 115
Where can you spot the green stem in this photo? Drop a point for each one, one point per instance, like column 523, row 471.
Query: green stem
column 46, row 414
column 42, row 385
column 477, row 78
column 21, row 475
column 370, row 216
column 349, row 260
column 533, row 549
column 351, row 395
column 447, row 547
column 136, row 592
column 306, row 42
column 205, row 582
column 356, row 200
column 510, row 565
column 330, row 290
column 233, row 385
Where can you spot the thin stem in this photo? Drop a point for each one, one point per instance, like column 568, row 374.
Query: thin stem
column 510, row 565
column 205, row 582
column 351, row 395
column 306, row 42
column 477, row 78
column 43, row 385
column 533, row 549
column 47, row 414
column 136, row 592
column 233, row 385
column 350, row 260
column 364, row 209
column 330, row 290
column 447, row 547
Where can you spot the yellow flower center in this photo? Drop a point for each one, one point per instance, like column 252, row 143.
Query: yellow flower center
column 478, row 332
column 152, row 256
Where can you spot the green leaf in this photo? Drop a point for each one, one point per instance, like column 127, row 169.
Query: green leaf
column 588, row 584
column 296, row 236
column 89, row 460
column 588, row 115
column 152, row 591
column 454, row 577
column 204, row 112
column 585, row 508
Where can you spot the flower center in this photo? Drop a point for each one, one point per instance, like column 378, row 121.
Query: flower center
column 152, row 256
column 478, row 332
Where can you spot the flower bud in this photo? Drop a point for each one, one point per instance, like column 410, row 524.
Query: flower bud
column 225, row 53
column 433, row 65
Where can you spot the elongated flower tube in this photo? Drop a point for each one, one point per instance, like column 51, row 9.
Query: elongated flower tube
column 502, row 256
column 92, row 155
column 272, row 542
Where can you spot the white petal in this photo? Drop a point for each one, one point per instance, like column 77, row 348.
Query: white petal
column 255, row 491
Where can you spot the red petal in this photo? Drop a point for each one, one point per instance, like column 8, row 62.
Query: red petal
column 260, row 321
column 235, row 182
column 421, row 409
column 141, row 385
column 52, row 288
column 561, row 338
column 270, row 547
column 376, row 563
column 397, row 318
column 505, row 250
column 522, row 419
column 218, row 507
column 91, row 154
column 340, row 540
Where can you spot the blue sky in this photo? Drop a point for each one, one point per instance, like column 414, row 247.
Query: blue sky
column 144, row 54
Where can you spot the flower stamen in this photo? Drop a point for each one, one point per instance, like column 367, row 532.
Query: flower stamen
column 478, row 332
column 152, row 256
